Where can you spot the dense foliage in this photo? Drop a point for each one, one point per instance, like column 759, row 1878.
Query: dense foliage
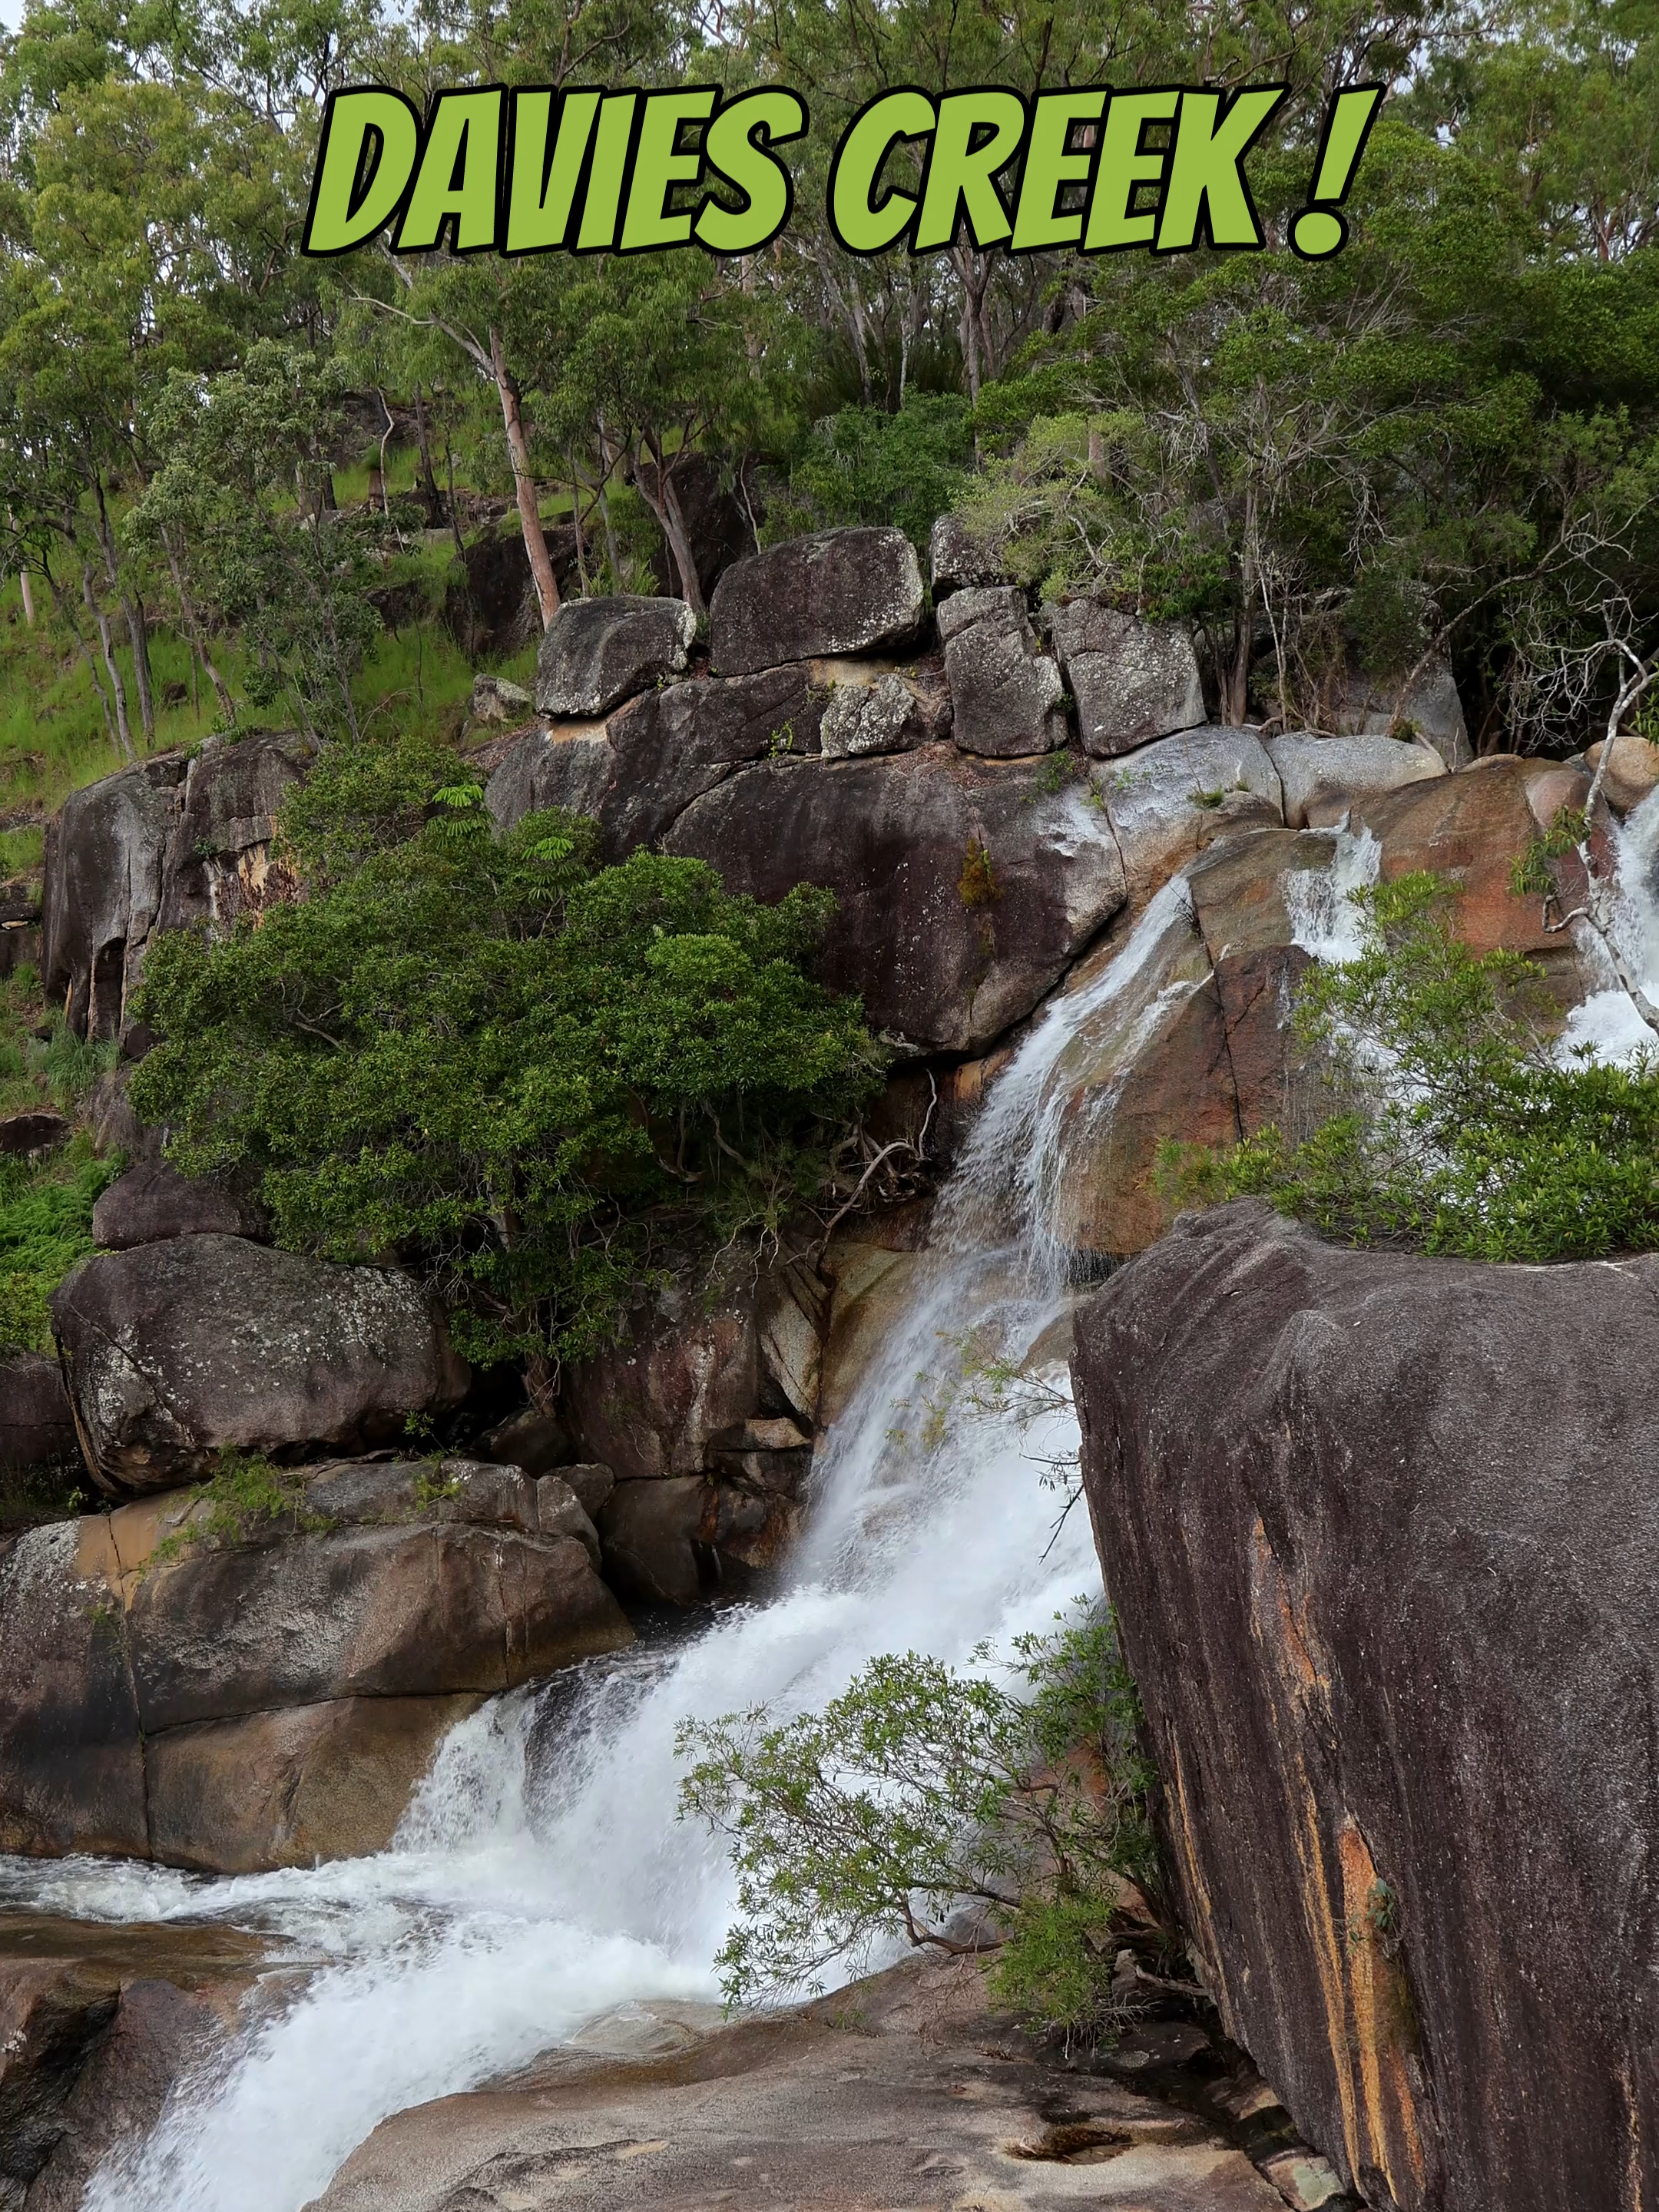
column 1458, row 1124
column 1015, row 1791
column 539, row 1078
column 45, row 1227
column 1440, row 442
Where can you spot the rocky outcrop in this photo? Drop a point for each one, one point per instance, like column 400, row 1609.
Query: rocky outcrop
column 960, row 559
column 1169, row 801
column 1420, row 703
column 1005, row 693
column 596, row 653
column 1632, row 772
column 964, row 890
column 1380, row 1536
column 268, row 1691
column 1323, row 777
column 179, row 1351
column 637, row 771
column 172, row 841
column 154, row 1201
column 1132, row 680
column 843, row 592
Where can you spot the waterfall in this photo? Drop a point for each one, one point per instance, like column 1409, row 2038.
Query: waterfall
column 1607, row 1023
column 542, row 1876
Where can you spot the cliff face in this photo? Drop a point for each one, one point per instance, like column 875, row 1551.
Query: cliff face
column 1381, row 1536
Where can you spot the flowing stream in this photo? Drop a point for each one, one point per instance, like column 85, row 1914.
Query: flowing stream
column 542, row 1877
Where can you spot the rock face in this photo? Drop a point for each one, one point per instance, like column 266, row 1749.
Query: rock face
column 964, row 889
column 1324, row 777
column 636, row 772
column 154, row 1201
column 1006, row 694
column 845, row 591
column 263, row 1697
column 1132, row 680
column 596, row 653
column 170, row 841
column 1169, row 799
column 1380, row 1535
column 176, row 1352
column 1632, row 773
column 1425, row 705
column 957, row 559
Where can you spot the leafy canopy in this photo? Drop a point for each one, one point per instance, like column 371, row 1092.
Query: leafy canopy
column 539, row 1078
column 1458, row 1128
column 920, row 1790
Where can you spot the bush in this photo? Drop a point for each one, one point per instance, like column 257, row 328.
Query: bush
column 920, row 1791
column 536, row 1078
column 864, row 465
column 1456, row 1127
column 46, row 1228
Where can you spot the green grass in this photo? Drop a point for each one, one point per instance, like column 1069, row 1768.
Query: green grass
column 46, row 1228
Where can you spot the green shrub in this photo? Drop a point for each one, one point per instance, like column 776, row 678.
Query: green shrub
column 1454, row 1126
column 864, row 465
column 920, row 1790
column 46, row 1228
column 538, row 1079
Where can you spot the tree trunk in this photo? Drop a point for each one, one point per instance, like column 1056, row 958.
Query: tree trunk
column 665, row 507
column 133, row 610
column 28, row 596
column 191, row 622
column 74, row 627
column 429, row 492
column 101, row 620
column 534, row 542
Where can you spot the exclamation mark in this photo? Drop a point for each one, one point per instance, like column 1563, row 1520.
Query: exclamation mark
column 1318, row 230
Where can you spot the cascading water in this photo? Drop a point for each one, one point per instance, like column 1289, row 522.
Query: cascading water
column 542, row 1877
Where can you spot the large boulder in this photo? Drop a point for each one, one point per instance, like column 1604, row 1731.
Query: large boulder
column 596, row 653
column 693, row 1538
column 219, row 863
column 686, row 1371
column 237, row 1689
column 1324, row 778
column 637, row 771
column 960, row 559
column 964, row 889
column 179, row 1350
column 1420, row 703
column 1167, row 800
column 152, row 1201
column 844, row 591
column 1132, row 680
column 1381, row 1536
column 1005, row 693
column 172, row 841
column 104, row 880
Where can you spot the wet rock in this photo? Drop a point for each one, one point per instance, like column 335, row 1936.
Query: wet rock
column 845, row 591
column 686, row 1539
column 176, row 1351
column 71, row 1767
column 266, row 1688
column 686, row 1371
column 636, row 772
column 1131, row 680
column 959, row 559
column 1005, row 693
column 286, row 1788
column 52, row 2014
column 1424, row 705
column 1169, row 799
column 596, row 653
column 964, row 888
column 1407, row 1769
column 154, row 1201
column 1324, row 777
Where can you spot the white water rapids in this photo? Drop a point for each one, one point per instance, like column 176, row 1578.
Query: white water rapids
column 543, row 1878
